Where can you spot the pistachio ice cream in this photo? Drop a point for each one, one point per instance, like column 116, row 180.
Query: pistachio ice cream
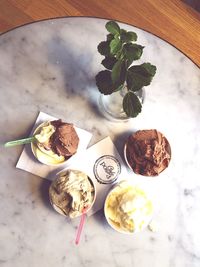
column 55, row 142
column 127, row 208
column 71, row 193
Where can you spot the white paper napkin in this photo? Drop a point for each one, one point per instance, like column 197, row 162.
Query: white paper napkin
column 102, row 163
column 29, row 163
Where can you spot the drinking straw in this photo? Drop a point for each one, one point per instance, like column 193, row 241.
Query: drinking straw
column 80, row 227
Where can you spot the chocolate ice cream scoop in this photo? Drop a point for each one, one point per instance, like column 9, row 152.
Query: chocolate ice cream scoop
column 65, row 140
column 148, row 152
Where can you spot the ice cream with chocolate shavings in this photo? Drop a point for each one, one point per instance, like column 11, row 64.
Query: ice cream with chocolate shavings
column 148, row 152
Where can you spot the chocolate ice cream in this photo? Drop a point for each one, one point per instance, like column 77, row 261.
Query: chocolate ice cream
column 148, row 152
column 64, row 141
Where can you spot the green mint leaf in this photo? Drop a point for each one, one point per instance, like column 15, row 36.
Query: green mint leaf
column 104, row 82
column 109, row 37
column 115, row 46
column 151, row 69
column 119, row 55
column 104, row 48
column 118, row 73
column 118, row 88
column 132, row 52
column 113, row 27
column 109, row 62
column 131, row 105
column 123, row 35
column 139, row 76
column 127, row 37
column 132, row 36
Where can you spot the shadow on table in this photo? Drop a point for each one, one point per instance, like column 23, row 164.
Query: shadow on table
column 119, row 141
column 44, row 190
column 193, row 3
column 76, row 69
column 100, row 217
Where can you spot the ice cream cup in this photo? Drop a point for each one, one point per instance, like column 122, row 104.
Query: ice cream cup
column 59, row 210
column 121, row 185
column 168, row 149
column 125, row 157
column 50, row 158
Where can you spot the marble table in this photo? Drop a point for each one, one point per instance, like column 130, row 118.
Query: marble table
column 50, row 66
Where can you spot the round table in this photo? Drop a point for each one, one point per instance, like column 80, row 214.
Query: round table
column 50, row 66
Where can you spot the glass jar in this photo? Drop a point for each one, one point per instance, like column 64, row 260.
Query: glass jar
column 111, row 106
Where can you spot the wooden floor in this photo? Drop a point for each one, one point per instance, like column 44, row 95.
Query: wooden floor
column 173, row 20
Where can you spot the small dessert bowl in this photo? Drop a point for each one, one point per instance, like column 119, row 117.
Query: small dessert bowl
column 127, row 208
column 150, row 156
column 45, row 155
column 72, row 193
column 125, row 157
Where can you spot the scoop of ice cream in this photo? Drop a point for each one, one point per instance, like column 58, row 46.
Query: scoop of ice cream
column 65, row 139
column 148, row 152
column 45, row 133
column 71, row 192
column 56, row 141
column 128, row 208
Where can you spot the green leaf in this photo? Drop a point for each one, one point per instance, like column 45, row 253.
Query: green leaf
column 115, row 46
column 104, row 48
column 127, row 37
column 132, row 52
column 109, row 37
column 118, row 73
column 119, row 55
column 113, row 27
column 151, row 69
column 118, row 88
column 139, row 76
column 132, row 36
column 104, row 82
column 109, row 62
column 131, row 105
column 123, row 35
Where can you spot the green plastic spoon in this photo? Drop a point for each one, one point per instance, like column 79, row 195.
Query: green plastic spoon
column 20, row 142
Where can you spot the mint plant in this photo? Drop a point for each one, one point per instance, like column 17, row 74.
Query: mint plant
column 120, row 51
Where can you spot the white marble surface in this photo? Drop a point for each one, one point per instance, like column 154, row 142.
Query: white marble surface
column 50, row 66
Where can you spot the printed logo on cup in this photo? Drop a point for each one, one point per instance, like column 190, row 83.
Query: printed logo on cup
column 107, row 169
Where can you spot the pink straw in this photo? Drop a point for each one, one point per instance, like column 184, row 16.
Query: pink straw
column 80, row 227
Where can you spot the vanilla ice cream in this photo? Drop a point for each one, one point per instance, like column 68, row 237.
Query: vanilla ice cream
column 127, row 208
column 71, row 192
